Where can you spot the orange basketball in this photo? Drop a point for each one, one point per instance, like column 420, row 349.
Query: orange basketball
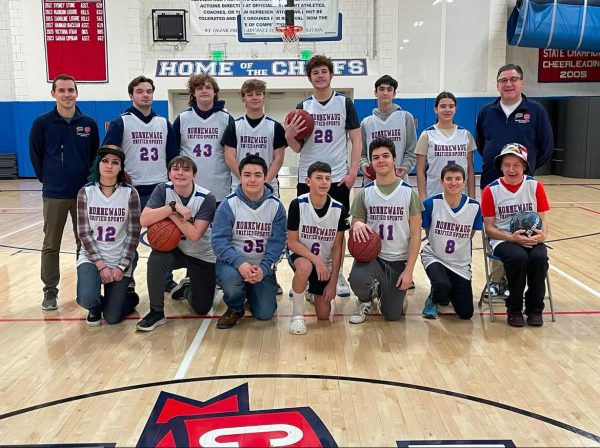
column 308, row 120
column 164, row 235
column 370, row 171
column 365, row 251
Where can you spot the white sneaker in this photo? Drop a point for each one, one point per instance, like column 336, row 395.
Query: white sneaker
column 297, row 325
column 342, row 288
column 360, row 311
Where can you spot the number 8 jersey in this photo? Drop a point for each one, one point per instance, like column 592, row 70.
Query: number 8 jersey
column 450, row 233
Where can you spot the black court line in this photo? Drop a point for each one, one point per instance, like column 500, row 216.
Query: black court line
column 485, row 401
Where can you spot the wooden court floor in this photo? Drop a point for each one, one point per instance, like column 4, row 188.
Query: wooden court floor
column 375, row 384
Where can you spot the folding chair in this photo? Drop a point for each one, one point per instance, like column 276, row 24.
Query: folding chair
column 488, row 255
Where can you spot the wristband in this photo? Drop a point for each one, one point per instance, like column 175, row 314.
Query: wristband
column 100, row 270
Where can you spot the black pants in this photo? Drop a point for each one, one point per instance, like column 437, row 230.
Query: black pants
column 447, row 286
column 201, row 273
column 524, row 266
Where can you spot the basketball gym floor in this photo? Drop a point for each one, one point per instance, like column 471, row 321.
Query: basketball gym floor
column 375, row 384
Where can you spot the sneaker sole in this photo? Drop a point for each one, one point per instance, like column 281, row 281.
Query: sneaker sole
column 92, row 324
column 356, row 323
column 344, row 294
column 157, row 324
column 49, row 308
column 429, row 317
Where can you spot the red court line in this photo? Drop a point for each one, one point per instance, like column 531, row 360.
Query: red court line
column 81, row 319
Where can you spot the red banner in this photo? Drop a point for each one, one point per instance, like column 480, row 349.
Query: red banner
column 76, row 39
column 568, row 66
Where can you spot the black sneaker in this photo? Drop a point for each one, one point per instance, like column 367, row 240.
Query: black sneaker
column 171, row 284
column 152, row 320
column 50, row 301
column 178, row 292
column 93, row 320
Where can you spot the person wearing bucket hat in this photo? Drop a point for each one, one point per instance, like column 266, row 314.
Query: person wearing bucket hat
column 525, row 258
column 109, row 228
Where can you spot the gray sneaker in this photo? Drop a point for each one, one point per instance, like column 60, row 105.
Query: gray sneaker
column 50, row 301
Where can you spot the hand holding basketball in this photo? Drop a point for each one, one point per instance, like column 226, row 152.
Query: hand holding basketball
column 364, row 245
column 164, row 235
column 369, row 172
column 300, row 123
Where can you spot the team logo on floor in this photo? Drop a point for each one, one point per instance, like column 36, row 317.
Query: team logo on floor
column 226, row 420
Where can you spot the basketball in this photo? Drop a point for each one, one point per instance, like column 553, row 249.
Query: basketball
column 164, row 235
column 308, row 120
column 365, row 251
column 370, row 171
column 525, row 221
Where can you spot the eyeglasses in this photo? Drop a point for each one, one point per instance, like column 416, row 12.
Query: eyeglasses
column 512, row 79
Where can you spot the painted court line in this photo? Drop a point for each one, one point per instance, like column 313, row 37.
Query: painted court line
column 21, row 229
column 577, row 282
column 195, row 345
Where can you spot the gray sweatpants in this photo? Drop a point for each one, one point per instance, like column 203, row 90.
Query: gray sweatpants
column 380, row 276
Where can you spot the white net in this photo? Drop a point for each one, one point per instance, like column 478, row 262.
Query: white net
column 290, row 34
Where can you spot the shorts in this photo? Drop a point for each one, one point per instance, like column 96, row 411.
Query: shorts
column 337, row 191
column 315, row 286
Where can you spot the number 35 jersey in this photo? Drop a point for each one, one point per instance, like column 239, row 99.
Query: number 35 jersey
column 450, row 233
column 144, row 145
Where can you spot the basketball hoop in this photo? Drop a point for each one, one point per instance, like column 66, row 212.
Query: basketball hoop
column 290, row 35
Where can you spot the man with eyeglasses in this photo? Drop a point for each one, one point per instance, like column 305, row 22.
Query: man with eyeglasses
column 511, row 118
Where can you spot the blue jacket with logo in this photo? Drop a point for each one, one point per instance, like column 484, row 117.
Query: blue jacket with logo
column 62, row 153
column 528, row 125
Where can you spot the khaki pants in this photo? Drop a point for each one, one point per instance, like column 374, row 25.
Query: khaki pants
column 55, row 218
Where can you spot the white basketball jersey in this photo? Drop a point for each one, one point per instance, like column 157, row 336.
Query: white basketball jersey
column 328, row 142
column 442, row 150
column 256, row 140
column 252, row 228
column 201, row 141
column 108, row 220
column 201, row 249
column 145, row 150
column 393, row 128
column 388, row 216
column 506, row 204
column 450, row 236
column 318, row 234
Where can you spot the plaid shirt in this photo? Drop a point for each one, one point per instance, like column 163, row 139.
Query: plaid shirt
column 133, row 229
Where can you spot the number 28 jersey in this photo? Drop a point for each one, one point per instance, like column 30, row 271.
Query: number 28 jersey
column 450, row 233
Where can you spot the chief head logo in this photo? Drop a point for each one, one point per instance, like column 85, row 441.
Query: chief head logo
column 226, row 420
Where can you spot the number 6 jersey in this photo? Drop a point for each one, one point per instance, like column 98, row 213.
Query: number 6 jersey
column 450, row 233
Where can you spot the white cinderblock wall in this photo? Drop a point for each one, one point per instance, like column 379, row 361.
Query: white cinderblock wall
column 459, row 47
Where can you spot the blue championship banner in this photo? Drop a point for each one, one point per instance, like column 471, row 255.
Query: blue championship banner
column 170, row 68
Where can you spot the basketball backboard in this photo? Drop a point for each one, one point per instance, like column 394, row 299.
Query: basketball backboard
column 259, row 19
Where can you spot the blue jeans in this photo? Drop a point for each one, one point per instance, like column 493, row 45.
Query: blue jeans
column 262, row 296
column 115, row 305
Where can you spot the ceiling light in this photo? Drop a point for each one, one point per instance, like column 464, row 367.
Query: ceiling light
column 405, row 41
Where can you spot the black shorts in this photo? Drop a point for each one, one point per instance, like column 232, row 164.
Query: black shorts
column 315, row 286
column 337, row 191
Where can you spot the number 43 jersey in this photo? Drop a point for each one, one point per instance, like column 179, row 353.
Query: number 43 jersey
column 450, row 233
